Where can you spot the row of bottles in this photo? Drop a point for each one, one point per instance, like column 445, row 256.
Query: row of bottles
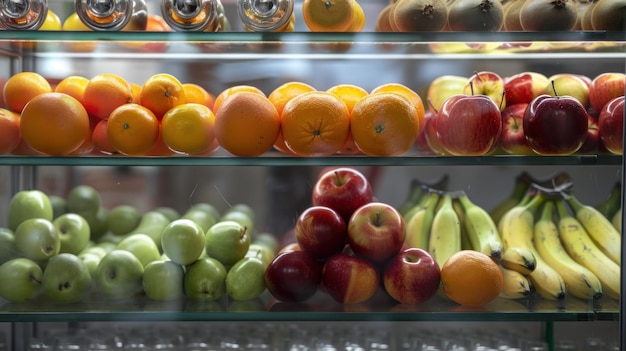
column 180, row 15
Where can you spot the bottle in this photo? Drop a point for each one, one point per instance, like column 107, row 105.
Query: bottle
column 23, row 14
column 113, row 15
column 265, row 15
column 194, row 15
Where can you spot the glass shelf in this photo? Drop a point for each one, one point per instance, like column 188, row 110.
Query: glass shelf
column 319, row 308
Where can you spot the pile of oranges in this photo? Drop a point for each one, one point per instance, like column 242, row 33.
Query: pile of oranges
column 105, row 114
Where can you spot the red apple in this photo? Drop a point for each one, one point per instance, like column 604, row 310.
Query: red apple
column 293, row 276
column 611, row 125
column 555, row 125
column 412, row 276
column 421, row 142
column 350, row 279
column 343, row 189
column 430, row 134
column 469, row 125
column 606, row 87
column 523, row 87
column 512, row 139
column 592, row 140
column 489, row 84
column 320, row 231
column 566, row 84
column 376, row 231
column 442, row 88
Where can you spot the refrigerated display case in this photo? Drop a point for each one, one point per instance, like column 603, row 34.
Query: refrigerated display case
column 278, row 186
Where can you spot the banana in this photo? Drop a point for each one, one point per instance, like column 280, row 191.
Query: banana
column 599, row 228
column 609, row 206
column 465, row 241
column 519, row 259
column 419, row 224
column 580, row 281
column 522, row 183
column 579, row 245
column 516, row 285
column 416, row 191
column 617, row 220
column 480, row 228
column 517, row 229
column 445, row 232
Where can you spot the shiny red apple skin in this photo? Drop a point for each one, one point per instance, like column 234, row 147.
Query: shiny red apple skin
column 606, row 87
column 421, row 142
column 376, row 231
column 611, row 125
column 343, row 189
column 321, row 231
column 293, row 276
column 512, row 139
column 350, row 279
column 412, row 276
column 592, row 140
column 430, row 134
column 524, row 87
column 555, row 125
column 469, row 125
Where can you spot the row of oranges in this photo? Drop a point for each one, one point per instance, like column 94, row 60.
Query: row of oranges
column 105, row 114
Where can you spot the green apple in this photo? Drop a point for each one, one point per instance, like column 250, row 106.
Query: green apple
column 27, row 204
column 119, row 275
column 246, row 279
column 73, row 231
column 97, row 250
column 123, row 219
column 7, row 245
column 243, row 208
column 169, row 212
column 267, row 239
column 261, row 251
column 110, row 238
column 99, row 224
column 21, row 279
column 84, row 200
column 59, row 205
column 205, row 279
column 202, row 213
column 183, row 241
column 142, row 246
column 240, row 217
column 91, row 260
column 65, row 279
column 37, row 239
column 107, row 246
column 163, row 280
column 152, row 224
column 227, row 242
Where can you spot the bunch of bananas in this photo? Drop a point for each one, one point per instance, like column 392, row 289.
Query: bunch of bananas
column 543, row 237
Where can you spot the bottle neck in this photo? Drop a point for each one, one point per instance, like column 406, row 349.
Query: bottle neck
column 265, row 15
column 113, row 15
column 23, row 14
column 190, row 15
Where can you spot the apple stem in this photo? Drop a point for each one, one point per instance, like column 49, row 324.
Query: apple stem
column 338, row 180
column 553, row 88
column 502, row 100
column 432, row 107
column 471, row 84
column 377, row 221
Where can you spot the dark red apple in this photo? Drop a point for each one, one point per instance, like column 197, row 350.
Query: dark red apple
column 592, row 140
column 512, row 139
column 611, row 125
column 293, row 276
column 469, row 125
column 343, row 189
column 555, row 125
column 321, row 231
column 350, row 279
column 606, row 87
column 430, row 134
column 421, row 142
column 376, row 231
column 412, row 276
column 524, row 87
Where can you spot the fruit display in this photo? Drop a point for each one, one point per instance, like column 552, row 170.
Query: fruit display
column 106, row 115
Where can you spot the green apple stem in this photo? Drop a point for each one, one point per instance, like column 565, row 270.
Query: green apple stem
column 553, row 88
column 377, row 220
column 471, row 84
column 502, row 100
column 338, row 180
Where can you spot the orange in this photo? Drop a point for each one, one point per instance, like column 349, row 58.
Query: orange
column 408, row 93
column 105, row 92
column 316, row 123
column 286, row 92
column 358, row 19
column 383, row 23
column 73, row 86
column 159, row 148
column 23, row 86
column 247, row 124
column 350, row 94
column 136, row 88
column 10, row 134
column 384, row 124
column 161, row 92
column 188, row 128
column 132, row 129
column 471, row 278
column 100, row 138
column 328, row 15
column 54, row 124
column 197, row 94
column 232, row 90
